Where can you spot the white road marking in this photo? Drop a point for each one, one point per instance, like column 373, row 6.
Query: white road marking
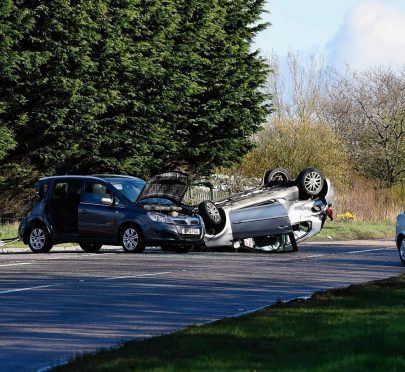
column 350, row 252
column 27, row 289
column 17, row 264
column 110, row 278
column 142, row 275
column 315, row 255
column 137, row 276
column 367, row 250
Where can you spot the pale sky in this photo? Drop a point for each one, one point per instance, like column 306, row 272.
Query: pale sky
column 361, row 33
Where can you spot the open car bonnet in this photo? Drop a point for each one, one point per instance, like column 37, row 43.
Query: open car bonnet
column 170, row 185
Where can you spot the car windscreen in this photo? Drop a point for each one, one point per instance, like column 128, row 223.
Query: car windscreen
column 128, row 187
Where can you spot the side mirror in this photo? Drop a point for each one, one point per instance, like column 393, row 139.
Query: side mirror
column 106, row 201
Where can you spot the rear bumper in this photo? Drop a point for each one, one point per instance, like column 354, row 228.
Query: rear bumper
column 22, row 230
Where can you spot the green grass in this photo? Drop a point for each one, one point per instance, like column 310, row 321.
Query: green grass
column 349, row 230
column 11, row 231
column 8, row 231
column 354, row 329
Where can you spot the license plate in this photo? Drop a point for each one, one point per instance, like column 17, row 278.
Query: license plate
column 190, row 231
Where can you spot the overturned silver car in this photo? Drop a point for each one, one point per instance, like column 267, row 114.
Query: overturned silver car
column 273, row 217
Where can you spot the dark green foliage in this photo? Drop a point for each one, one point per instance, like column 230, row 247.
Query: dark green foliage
column 6, row 142
column 128, row 86
column 6, row 37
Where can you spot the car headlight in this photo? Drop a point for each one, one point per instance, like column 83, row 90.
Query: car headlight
column 160, row 217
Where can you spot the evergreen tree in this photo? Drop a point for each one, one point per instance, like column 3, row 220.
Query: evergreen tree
column 130, row 86
column 6, row 142
column 213, row 102
column 7, row 34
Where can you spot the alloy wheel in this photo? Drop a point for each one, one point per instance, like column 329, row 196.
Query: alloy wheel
column 213, row 212
column 278, row 177
column 37, row 239
column 313, row 182
column 130, row 239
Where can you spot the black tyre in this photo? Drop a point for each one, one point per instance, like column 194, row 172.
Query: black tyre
column 132, row 239
column 167, row 248
column 209, row 213
column 90, row 247
column 293, row 242
column 276, row 176
column 183, row 248
column 310, row 182
column 39, row 239
column 401, row 249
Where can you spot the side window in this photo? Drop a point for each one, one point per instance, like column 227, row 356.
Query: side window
column 67, row 190
column 59, row 191
column 119, row 203
column 41, row 189
column 94, row 192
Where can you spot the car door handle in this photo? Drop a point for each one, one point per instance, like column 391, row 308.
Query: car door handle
column 283, row 226
column 83, row 212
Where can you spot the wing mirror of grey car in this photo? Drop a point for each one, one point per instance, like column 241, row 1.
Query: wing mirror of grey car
column 106, row 201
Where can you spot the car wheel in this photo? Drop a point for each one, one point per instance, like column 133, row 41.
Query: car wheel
column 209, row 213
column 310, row 182
column 276, row 176
column 39, row 240
column 132, row 239
column 90, row 247
column 401, row 249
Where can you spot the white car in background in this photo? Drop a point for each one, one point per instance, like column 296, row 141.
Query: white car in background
column 400, row 236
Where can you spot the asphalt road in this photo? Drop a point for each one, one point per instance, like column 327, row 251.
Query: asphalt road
column 67, row 302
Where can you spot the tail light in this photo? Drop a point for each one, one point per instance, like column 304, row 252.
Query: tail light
column 329, row 212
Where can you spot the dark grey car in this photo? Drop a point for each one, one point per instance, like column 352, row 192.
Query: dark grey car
column 115, row 210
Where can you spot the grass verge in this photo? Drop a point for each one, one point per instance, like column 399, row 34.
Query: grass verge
column 354, row 329
column 11, row 231
column 351, row 230
column 8, row 231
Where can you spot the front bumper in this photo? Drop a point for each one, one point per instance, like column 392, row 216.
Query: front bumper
column 174, row 234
